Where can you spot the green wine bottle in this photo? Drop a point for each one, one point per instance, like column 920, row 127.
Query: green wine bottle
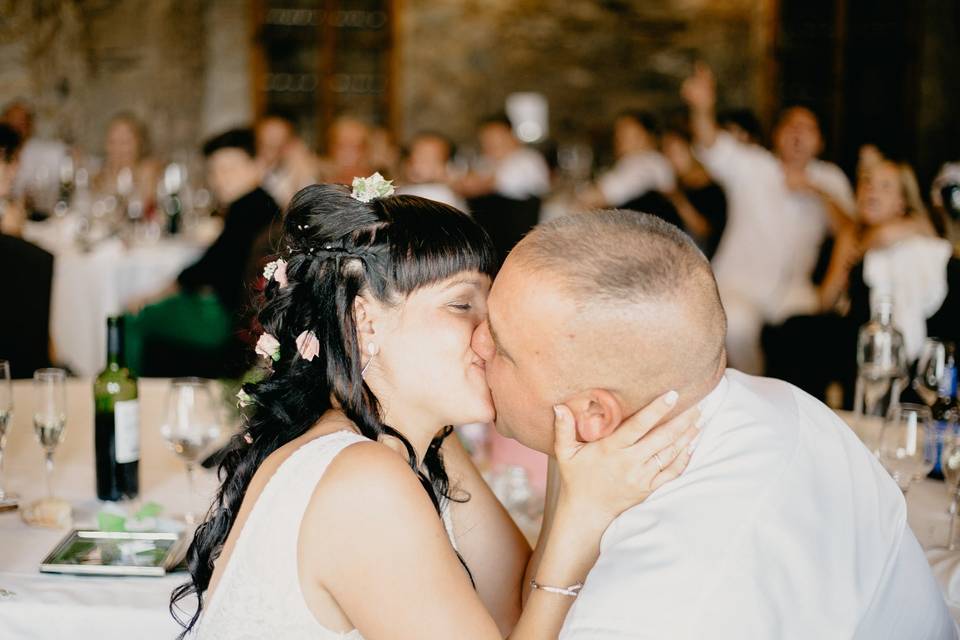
column 117, row 423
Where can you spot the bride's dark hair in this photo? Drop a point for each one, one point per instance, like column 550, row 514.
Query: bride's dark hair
column 335, row 246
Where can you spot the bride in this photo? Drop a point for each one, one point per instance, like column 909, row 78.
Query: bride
column 346, row 510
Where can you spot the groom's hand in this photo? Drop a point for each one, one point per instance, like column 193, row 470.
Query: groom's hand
column 622, row 469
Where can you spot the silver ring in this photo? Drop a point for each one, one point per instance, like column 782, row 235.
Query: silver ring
column 656, row 457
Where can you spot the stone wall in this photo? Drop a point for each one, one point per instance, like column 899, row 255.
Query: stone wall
column 180, row 65
column 459, row 59
column 184, row 65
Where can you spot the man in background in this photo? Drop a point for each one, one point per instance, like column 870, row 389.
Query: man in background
column 781, row 207
column 208, row 302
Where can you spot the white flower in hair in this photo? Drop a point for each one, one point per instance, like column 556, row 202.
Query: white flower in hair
column 269, row 269
column 243, row 399
column 276, row 270
column 371, row 188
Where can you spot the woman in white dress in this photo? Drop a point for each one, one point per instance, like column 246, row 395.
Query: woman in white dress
column 346, row 511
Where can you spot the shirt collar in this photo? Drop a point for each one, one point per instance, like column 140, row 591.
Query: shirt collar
column 713, row 400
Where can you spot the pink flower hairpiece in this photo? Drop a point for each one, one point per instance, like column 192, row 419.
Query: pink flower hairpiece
column 277, row 270
column 268, row 347
column 308, row 346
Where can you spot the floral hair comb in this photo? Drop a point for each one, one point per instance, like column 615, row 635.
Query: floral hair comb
column 372, row 187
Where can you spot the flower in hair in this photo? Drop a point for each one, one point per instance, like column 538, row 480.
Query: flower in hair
column 243, row 399
column 268, row 347
column 308, row 346
column 276, row 270
column 372, row 187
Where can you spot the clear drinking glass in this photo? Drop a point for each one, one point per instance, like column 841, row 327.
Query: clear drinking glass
column 190, row 426
column 908, row 443
column 931, row 368
column 49, row 414
column 950, row 463
column 6, row 418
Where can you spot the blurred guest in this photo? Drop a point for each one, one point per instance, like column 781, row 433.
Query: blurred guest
column 348, row 151
column 24, row 335
column 640, row 167
column 868, row 157
column 893, row 250
column 285, row 160
column 273, row 134
column 128, row 169
column 426, row 170
column 384, row 154
column 508, row 167
column 781, row 209
column 504, row 192
column 945, row 196
column 742, row 124
column 12, row 213
column 699, row 201
column 204, row 306
column 39, row 159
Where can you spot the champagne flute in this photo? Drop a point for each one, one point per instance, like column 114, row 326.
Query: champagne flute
column 190, row 426
column 49, row 414
column 6, row 417
column 908, row 446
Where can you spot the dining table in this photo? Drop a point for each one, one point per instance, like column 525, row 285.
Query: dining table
column 91, row 283
column 54, row 606
column 46, row 605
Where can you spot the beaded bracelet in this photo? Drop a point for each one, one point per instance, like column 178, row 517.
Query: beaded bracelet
column 572, row 590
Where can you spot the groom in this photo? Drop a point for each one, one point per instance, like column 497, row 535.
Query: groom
column 783, row 524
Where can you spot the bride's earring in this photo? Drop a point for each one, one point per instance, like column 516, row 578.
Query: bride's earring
column 373, row 350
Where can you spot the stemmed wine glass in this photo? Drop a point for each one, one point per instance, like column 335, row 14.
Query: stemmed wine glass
column 49, row 414
column 930, row 370
column 950, row 463
column 908, row 443
column 190, row 425
column 6, row 417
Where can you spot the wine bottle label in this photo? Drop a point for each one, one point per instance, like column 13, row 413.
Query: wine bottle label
column 126, row 415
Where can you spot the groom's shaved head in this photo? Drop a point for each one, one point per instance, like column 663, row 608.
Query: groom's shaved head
column 613, row 300
column 642, row 284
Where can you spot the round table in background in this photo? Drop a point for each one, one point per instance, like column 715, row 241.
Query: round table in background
column 90, row 286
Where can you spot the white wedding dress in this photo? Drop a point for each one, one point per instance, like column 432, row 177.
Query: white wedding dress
column 259, row 594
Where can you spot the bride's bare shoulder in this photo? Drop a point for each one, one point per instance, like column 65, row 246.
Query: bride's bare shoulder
column 369, row 478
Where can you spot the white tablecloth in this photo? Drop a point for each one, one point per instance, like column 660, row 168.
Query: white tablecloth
column 90, row 287
column 60, row 606
column 101, row 608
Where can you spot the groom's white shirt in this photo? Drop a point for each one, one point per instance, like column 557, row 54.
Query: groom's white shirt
column 783, row 526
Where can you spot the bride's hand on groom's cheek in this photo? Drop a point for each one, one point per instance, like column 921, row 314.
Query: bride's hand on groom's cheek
column 619, row 471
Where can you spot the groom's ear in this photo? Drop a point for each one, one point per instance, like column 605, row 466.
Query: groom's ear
column 597, row 413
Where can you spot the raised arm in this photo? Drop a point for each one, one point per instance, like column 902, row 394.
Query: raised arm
column 489, row 541
column 699, row 91
column 651, row 430
column 386, row 561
